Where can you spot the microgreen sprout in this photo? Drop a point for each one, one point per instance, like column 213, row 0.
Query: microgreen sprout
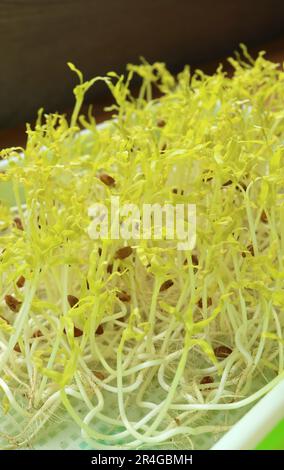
column 140, row 343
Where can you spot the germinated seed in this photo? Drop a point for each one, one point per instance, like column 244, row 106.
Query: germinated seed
column 206, row 380
column 21, row 282
column 166, row 285
column 72, row 300
column 17, row 348
column 99, row 375
column 100, row 330
column 109, row 268
column 18, row 223
column 37, row 334
column 264, row 217
column 200, row 303
column 13, row 303
column 123, row 296
column 77, row 332
column 194, row 260
column 250, row 249
column 123, row 252
column 107, row 179
column 221, row 352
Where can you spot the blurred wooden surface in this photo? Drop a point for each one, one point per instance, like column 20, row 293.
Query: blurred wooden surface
column 16, row 135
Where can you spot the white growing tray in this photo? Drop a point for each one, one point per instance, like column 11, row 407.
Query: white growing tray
column 256, row 423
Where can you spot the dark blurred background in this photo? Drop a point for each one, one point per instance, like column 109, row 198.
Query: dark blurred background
column 38, row 37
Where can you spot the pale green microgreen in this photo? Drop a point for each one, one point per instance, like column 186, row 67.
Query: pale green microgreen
column 148, row 346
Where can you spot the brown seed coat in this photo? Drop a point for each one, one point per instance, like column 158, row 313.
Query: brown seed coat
column 37, row 334
column 200, row 303
column 221, row 352
column 72, row 300
column 18, row 223
column 100, row 330
column 109, row 268
column 123, row 252
column 21, row 282
column 17, row 348
column 264, row 217
column 124, row 296
column 107, row 179
column 206, row 380
column 166, row 285
column 161, row 123
column 13, row 303
column 77, row 332
column 99, row 375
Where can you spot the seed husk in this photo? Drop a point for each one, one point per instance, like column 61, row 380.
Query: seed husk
column 99, row 374
column 228, row 183
column 13, row 303
column 18, row 223
column 21, row 282
column 221, row 352
column 107, row 179
column 166, row 285
column 200, row 303
column 264, row 217
column 124, row 296
column 176, row 191
column 161, row 123
column 122, row 318
column 77, row 332
column 206, row 380
column 207, row 179
column 123, row 252
column 72, row 300
column 194, row 260
column 37, row 334
column 250, row 249
column 109, row 268
column 100, row 330
column 242, row 185
column 17, row 348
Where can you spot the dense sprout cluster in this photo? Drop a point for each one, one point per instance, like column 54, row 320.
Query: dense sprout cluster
column 137, row 341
